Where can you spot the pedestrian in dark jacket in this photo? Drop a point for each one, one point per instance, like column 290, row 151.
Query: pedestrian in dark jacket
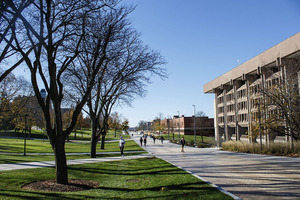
column 145, row 141
column 141, row 141
column 122, row 145
column 153, row 139
column 182, row 142
column 162, row 139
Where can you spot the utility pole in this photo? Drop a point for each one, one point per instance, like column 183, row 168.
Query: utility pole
column 195, row 123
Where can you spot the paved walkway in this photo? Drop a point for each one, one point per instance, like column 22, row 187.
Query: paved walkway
column 247, row 176
column 26, row 165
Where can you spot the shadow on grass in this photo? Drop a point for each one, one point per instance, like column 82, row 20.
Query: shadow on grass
column 141, row 169
column 191, row 190
column 185, row 186
column 131, row 172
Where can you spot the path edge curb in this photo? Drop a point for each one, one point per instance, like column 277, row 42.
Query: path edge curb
column 213, row 185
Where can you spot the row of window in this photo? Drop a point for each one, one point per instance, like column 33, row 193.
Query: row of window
column 221, row 120
column 220, row 100
column 231, row 107
column 272, row 114
column 220, row 109
column 255, row 89
column 231, row 118
column 241, row 93
column 243, row 118
column 242, row 105
column 273, row 82
column 229, row 97
column 256, row 102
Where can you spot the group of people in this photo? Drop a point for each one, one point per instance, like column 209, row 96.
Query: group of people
column 144, row 139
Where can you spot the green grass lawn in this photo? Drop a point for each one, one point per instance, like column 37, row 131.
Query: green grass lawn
column 16, row 158
column 40, row 146
column 114, row 178
column 16, row 146
column 80, row 134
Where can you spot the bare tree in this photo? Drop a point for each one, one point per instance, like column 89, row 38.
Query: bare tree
column 125, row 125
column 126, row 73
column 280, row 102
column 157, row 125
column 9, row 11
column 200, row 122
column 142, row 125
column 101, row 95
column 54, row 33
column 115, row 122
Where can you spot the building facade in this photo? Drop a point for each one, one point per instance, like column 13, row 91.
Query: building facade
column 187, row 125
column 240, row 101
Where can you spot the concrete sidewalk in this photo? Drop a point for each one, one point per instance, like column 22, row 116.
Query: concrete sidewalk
column 28, row 165
column 248, row 176
column 69, row 154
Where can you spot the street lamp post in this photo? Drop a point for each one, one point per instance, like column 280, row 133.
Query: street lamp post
column 195, row 123
column 179, row 126
column 26, row 115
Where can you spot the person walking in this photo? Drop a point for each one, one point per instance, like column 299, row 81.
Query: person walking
column 141, row 141
column 145, row 141
column 153, row 139
column 162, row 139
column 122, row 145
column 182, row 142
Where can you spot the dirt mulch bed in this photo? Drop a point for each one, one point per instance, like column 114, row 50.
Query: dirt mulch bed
column 51, row 185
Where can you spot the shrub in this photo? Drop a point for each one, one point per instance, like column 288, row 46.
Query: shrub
column 271, row 149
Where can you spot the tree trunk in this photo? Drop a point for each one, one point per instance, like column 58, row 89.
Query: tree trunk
column 60, row 160
column 103, row 140
column 94, row 140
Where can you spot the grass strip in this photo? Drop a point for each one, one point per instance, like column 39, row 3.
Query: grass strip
column 40, row 146
column 16, row 158
column 115, row 182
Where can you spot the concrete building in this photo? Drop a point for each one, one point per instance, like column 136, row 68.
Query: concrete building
column 185, row 125
column 237, row 91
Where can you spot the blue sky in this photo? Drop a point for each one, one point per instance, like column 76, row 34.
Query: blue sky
column 201, row 40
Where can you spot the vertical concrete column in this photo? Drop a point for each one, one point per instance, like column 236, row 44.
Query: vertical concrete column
column 283, row 82
column 249, row 107
column 216, row 121
column 265, row 110
column 249, row 79
column 237, row 131
column 226, row 134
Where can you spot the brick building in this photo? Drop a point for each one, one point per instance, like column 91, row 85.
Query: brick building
column 185, row 125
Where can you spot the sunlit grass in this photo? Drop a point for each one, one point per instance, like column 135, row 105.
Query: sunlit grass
column 16, row 147
column 19, row 158
column 40, row 146
column 150, row 175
